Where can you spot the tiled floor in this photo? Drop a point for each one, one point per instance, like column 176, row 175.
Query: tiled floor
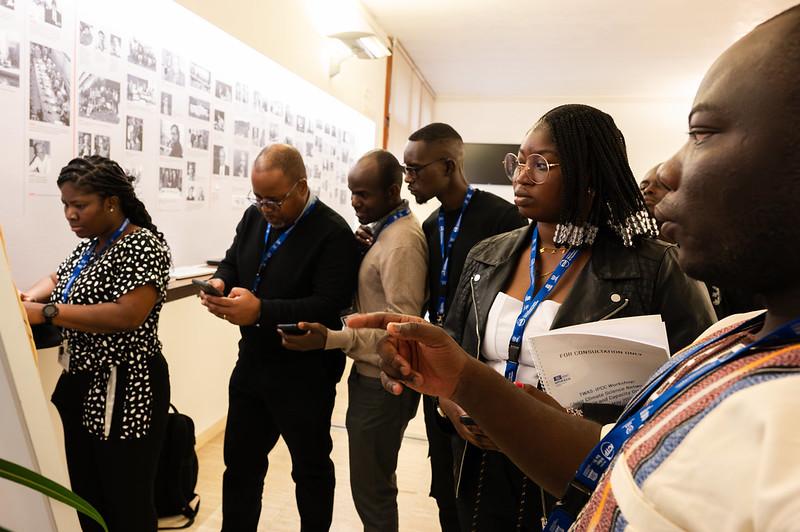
column 279, row 513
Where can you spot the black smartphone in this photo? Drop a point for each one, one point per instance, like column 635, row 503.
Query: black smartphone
column 466, row 420
column 208, row 288
column 291, row 329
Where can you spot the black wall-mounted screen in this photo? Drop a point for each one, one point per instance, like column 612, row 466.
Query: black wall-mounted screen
column 483, row 163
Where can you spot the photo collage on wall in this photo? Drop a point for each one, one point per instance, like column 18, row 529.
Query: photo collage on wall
column 178, row 115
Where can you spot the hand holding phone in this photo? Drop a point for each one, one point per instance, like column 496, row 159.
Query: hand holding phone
column 291, row 329
column 208, row 288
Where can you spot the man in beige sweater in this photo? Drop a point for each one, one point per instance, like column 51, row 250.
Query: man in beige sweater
column 393, row 277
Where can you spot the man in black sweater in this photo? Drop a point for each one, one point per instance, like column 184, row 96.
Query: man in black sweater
column 434, row 167
column 292, row 259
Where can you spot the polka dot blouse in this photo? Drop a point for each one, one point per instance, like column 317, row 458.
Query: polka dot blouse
column 135, row 260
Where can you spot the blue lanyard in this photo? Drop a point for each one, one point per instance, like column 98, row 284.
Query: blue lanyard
column 532, row 302
column 86, row 258
column 636, row 414
column 390, row 220
column 270, row 251
column 446, row 253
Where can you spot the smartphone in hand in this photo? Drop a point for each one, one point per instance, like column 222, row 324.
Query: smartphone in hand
column 208, row 288
column 291, row 329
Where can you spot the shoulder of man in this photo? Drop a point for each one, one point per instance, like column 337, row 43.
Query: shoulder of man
column 405, row 232
column 332, row 221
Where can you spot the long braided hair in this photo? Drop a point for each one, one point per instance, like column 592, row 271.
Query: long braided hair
column 105, row 177
column 597, row 178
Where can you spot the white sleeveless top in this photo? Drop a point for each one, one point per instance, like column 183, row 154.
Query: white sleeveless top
column 500, row 326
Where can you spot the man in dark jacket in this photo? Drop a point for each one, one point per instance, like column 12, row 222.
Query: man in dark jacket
column 293, row 258
column 434, row 167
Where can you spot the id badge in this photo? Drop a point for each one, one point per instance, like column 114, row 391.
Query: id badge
column 63, row 355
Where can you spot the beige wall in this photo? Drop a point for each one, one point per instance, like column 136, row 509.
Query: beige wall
column 285, row 32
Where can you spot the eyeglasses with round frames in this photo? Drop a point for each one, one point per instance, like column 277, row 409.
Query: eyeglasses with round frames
column 535, row 167
column 415, row 170
column 270, row 204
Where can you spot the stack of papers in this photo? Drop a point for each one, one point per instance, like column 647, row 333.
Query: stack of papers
column 599, row 362
column 185, row 272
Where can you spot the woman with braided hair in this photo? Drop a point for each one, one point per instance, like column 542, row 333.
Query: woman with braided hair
column 590, row 254
column 106, row 297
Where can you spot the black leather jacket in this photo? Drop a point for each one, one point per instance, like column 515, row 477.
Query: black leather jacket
column 617, row 282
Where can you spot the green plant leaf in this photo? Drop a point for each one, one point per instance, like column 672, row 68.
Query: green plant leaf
column 32, row 479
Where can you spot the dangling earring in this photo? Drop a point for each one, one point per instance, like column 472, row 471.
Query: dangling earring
column 111, row 209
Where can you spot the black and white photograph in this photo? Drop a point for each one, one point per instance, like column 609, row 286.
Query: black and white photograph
column 85, row 33
column 198, row 138
column 134, row 172
column 274, row 132
column 47, row 11
column 191, row 170
column 301, row 124
column 195, row 193
column 100, row 43
column 200, row 78
column 223, row 91
column 140, row 90
column 115, row 45
column 172, row 69
column 309, row 149
column 276, row 107
column 170, row 141
column 8, row 4
column 9, row 61
column 219, row 120
column 98, row 98
column 141, row 54
column 84, row 144
column 221, row 164
column 240, row 160
column 102, row 146
column 49, row 85
column 170, row 179
column 166, row 103
column 288, row 117
column 242, row 93
column 199, row 109
column 134, row 128
column 39, row 157
column 241, row 129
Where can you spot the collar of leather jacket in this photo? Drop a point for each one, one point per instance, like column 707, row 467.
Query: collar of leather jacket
column 504, row 248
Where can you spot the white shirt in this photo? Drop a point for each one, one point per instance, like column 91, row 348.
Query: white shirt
column 500, row 326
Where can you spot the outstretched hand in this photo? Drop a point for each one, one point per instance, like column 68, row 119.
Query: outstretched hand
column 415, row 354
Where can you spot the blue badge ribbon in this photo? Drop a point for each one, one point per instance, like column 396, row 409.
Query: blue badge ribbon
column 532, row 302
column 445, row 251
column 639, row 411
column 390, row 220
column 88, row 256
column 269, row 251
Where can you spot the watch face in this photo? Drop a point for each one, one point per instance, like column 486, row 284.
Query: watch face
column 50, row 311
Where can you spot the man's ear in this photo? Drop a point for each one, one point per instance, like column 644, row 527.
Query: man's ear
column 450, row 167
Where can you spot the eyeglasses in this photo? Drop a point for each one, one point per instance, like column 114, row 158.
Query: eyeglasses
column 270, row 204
column 415, row 170
column 535, row 167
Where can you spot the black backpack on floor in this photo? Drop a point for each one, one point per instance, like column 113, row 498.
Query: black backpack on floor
column 176, row 477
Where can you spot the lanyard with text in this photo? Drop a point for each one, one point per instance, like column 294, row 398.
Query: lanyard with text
column 636, row 414
column 532, row 302
column 446, row 253
column 269, row 251
column 87, row 257
column 390, row 220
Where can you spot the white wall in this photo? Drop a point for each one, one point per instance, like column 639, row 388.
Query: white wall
column 653, row 129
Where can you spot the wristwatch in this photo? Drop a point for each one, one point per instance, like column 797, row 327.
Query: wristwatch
column 49, row 311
